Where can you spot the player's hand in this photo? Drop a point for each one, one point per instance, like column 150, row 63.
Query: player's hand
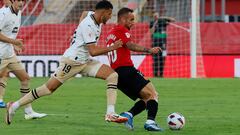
column 18, row 49
column 155, row 50
column 117, row 44
column 18, row 42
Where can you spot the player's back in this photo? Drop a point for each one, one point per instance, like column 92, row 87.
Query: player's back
column 86, row 33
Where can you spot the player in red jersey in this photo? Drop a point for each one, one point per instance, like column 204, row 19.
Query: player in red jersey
column 130, row 81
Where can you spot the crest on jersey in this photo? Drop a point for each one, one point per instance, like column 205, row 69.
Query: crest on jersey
column 127, row 35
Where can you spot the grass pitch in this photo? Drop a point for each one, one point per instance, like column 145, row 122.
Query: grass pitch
column 210, row 106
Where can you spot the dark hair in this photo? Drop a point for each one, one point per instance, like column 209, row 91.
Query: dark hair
column 104, row 4
column 124, row 11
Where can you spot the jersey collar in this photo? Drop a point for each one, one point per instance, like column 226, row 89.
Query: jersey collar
column 12, row 10
column 93, row 18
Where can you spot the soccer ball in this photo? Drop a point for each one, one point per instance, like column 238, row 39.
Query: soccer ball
column 175, row 121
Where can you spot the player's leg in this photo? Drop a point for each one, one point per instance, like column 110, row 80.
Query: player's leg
column 150, row 96
column 3, row 80
column 3, row 84
column 46, row 89
column 131, row 82
column 18, row 70
column 102, row 71
column 24, row 89
column 64, row 72
column 108, row 74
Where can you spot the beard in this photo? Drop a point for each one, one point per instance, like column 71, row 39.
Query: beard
column 104, row 20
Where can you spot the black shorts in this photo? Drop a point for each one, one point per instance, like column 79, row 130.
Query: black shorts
column 131, row 81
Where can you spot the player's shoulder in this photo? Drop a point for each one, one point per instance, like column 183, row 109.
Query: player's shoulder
column 4, row 10
column 87, row 20
column 88, row 16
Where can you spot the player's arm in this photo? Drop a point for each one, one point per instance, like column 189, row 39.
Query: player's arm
column 137, row 48
column 95, row 50
column 4, row 38
column 170, row 19
column 17, row 42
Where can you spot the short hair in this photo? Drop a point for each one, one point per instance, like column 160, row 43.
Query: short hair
column 104, row 4
column 124, row 11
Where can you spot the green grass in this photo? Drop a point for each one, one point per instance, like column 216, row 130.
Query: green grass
column 210, row 106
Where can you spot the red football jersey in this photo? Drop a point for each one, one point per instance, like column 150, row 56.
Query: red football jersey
column 121, row 56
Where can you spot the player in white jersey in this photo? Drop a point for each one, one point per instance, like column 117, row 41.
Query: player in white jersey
column 77, row 60
column 10, row 19
column 3, row 80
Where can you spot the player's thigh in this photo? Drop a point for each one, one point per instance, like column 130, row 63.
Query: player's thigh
column 104, row 72
column 66, row 70
column 16, row 67
column 97, row 69
column 3, row 67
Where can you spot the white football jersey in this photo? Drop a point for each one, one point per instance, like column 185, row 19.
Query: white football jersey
column 9, row 26
column 87, row 32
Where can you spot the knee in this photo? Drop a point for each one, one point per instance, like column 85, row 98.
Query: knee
column 150, row 95
column 112, row 78
column 50, row 88
column 3, row 81
column 25, row 81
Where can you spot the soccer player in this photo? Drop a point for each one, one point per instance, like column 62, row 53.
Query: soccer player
column 76, row 60
column 3, row 80
column 10, row 18
column 130, row 81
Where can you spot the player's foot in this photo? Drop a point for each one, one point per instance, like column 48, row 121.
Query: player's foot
column 152, row 127
column 129, row 123
column 2, row 105
column 9, row 114
column 34, row 115
column 115, row 118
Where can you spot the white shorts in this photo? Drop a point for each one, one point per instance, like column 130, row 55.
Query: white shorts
column 68, row 69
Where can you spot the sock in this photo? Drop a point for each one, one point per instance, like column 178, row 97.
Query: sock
column 15, row 105
column 137, row 108
column 152, row 108
column 2, row 88
column 34, row 94
column 28, row 107
column 111, row 92
column 111, row 100
column 110, row 109
column 150, row 121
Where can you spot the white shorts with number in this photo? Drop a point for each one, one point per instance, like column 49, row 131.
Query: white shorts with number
column 69, row 68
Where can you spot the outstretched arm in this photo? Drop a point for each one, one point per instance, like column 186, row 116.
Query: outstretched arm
column 96, row 50
column 16, row 42
column 137, row 48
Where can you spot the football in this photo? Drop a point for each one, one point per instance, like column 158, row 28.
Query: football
column 175, row 121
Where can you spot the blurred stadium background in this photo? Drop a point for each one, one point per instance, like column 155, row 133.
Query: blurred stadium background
column 49, row 24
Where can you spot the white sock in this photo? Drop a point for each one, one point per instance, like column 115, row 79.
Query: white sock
column 15, row 105
column 28, row 109
column 110, row 109
column 150, row 121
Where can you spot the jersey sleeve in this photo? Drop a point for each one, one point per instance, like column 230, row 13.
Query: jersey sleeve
column 89, row 36
column 2, row 20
